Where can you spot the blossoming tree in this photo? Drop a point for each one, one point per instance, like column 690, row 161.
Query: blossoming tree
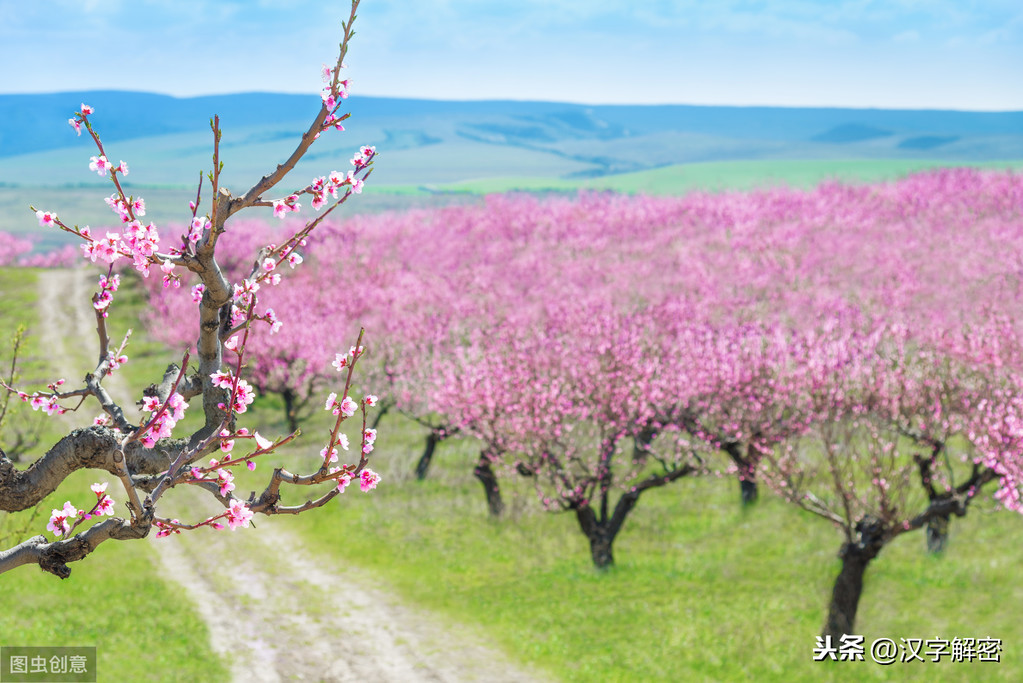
column 145, row 457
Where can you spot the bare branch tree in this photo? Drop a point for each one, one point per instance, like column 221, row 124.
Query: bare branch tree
column 145, row 458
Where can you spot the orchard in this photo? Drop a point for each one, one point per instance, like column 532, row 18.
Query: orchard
column 818, row 344
column 852, row 350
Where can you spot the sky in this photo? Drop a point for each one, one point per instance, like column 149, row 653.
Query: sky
column 915, row 54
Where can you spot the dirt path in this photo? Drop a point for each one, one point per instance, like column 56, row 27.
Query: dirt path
column 64, row 301
column 277, row 611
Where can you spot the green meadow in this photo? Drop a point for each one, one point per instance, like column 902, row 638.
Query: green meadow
column 718, row 176
column 143, row 628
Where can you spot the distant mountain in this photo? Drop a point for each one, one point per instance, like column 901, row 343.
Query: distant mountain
column 430, row 141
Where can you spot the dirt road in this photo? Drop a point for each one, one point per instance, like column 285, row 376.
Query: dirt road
column 276, row 609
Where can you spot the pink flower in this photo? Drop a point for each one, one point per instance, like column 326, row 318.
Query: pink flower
column 59, row 524
column 283, row 206
column 275, row 324
column 343, row 481
column 371, row 400
column 222, row 380
column 196, row 229
column 226, row 479
column 76, row 124
column 329, row 101
column 244, row 396
column 262, row 442
column 99, row 489
column 102, row 300
column 368, row 480
column 348, row 406
column 105, row 506
column 46, row 218
column 238, row 514
column 332, row 120
column 86, row 110
column 122, row 168
column 269, row 264
column 99, row 165
column 356, row 183
column 294, row 259
column 197, row 291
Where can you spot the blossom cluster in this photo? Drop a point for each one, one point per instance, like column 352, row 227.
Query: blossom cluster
column 107, row 286
column 165, row 417
column 242, row 393
column 60, row 523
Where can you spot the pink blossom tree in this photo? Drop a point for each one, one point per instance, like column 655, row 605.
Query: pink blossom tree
column 143, row 455
column 563, row 404
column 12, row 248
column 889, row 449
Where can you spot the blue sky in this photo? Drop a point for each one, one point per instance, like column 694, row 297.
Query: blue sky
column 950, row 54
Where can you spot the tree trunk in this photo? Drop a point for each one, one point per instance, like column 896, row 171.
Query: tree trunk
column 748, row 491
column 600, row 536
column 845, row 596
column 485, row 473
column 937, row 534
column 641, row 445
column 290, row 408
column 601, row 552
column 432, row 439
column 747, row 467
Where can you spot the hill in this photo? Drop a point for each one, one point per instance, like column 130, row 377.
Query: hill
column 428, row 141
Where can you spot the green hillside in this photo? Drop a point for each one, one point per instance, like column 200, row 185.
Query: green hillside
column 724, row 175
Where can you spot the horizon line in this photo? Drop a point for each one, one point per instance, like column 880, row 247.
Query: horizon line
column 751, row 105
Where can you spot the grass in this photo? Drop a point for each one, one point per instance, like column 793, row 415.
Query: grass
column 701, row 590
column 143, row 628
column 722, row 175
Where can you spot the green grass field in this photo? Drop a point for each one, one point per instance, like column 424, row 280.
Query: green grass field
column 701, row 590
column 723, row 175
